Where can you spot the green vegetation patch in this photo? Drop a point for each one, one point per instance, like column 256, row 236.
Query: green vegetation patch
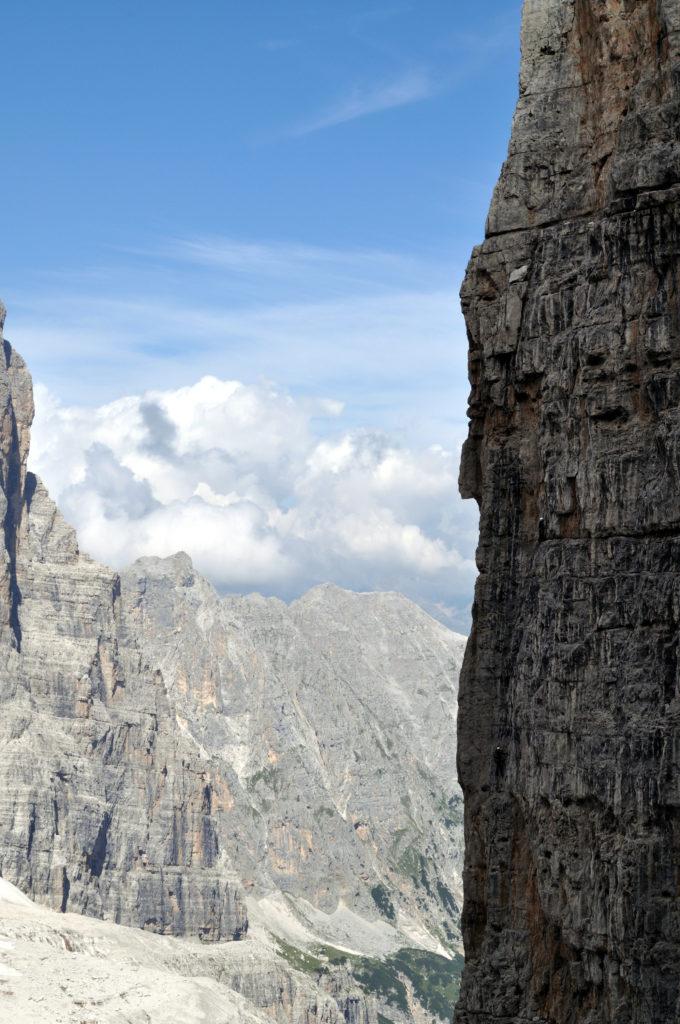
column 448, row 899
column 381, row 898
column 397, row 837
column 449, row 810
column 409, row 863
column 376, row 977
column 267, row 775
column 299, row 959
column 412, row 864
column 435, row 979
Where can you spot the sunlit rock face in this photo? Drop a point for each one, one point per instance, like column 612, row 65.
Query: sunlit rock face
column 334, row 715
column 193, row 765
column 569, row 709
column 103, row 804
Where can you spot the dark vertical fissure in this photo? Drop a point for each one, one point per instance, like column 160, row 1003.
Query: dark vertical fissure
column 31, row 833
column 12, row 487
column 97, row 858
column 65, row 890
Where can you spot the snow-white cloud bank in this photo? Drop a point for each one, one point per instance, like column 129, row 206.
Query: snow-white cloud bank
column 265, row 491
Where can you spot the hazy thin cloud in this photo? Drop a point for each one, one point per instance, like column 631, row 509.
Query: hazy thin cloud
column 318, row 319
column 411, row 87
column 282, row 258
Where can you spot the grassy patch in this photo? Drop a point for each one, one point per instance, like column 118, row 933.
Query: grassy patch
column 299, row 959
column 376, row 977
column 380, row 979
column 397, row 837
column 412, row 864
column 409, row 863
column 266, row 775
column 449, row 810
column 435, row 979
column 447, row 898
column 381, row 898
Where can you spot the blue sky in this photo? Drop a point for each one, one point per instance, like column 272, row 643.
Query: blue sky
column 283, row 194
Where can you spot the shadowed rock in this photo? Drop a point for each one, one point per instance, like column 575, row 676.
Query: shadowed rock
column 568, row 735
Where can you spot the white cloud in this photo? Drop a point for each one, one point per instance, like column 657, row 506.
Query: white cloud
column 408, row 88
column 260, row 488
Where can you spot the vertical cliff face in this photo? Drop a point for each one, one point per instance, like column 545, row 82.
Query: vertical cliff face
column 103, row 806
column 16, row 411
column 569, row 706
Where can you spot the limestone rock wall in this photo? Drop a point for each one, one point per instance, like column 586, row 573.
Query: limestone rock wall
column 335, row 713
column 569, row 705
column 103, row 806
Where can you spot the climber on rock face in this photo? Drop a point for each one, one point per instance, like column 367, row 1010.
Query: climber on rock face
column 499, row 758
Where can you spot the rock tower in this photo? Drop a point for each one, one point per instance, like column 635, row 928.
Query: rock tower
column 569, row 732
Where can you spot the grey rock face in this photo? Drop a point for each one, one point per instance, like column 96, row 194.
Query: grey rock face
column 332, row 715
column 568, row 732
column 102, row 805
column 169, row 758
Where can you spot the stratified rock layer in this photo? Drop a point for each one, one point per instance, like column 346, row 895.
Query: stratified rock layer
column 334, row 714
column 103, row 806
column 569, row 703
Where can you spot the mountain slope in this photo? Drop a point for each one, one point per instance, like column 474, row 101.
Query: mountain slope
column 66, row 968
column 335, row 714
column 186, row 764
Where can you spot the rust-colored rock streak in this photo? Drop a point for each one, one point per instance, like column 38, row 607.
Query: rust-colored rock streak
column 569, row 706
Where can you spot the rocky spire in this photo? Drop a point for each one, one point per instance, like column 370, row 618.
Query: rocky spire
column 16, row 416
column 568, row 730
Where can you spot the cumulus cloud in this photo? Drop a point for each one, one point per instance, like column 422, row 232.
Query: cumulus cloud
column 264, row 491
